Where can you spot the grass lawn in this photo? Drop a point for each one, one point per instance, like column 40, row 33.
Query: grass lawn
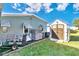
column 48, row 48
column 74, row 36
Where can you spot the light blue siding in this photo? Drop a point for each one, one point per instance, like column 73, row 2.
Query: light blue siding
column 17, row 21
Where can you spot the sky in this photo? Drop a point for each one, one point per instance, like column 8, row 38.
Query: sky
column 66, row 12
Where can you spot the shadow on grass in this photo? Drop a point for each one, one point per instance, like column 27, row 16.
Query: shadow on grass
column 74, row 38
column 4, row 49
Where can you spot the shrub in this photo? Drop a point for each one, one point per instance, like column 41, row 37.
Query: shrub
column 73, row 31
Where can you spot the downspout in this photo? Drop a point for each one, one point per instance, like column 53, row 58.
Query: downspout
column 1, row 43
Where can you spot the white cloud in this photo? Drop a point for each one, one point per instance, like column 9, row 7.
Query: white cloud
column 24, row 12
column 36, row 7
column 47, row 7
column 15, row 5
column 29, row 9
column 62, row 6
column 33, row 7
column 19, row 9
column 76, row 6
column 49, row 10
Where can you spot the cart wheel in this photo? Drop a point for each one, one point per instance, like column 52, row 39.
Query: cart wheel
column 14, row 47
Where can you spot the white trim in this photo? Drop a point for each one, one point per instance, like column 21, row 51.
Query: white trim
column 40, row 18
column 59, row 21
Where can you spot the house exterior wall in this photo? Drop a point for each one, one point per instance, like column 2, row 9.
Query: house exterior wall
column 35, row 23
column 17, row 21
column 16, row 27
column 16, row 24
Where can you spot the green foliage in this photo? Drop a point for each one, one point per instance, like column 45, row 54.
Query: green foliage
column 76, row 22
column 73, row 31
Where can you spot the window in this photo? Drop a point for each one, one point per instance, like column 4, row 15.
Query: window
column 60, row 25
column 4, row 25
column 5, row 29
column 40, row 28
column 54, row 26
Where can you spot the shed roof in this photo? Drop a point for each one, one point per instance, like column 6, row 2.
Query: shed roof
column 59, row 22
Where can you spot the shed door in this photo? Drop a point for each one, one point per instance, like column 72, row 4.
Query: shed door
column 59, row 30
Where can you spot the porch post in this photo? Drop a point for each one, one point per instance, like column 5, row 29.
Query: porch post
column 23, row 28
column 28, row 30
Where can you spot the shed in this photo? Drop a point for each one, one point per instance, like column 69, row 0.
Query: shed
column 59, row 31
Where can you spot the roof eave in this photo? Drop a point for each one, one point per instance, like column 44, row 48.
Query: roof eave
column 16, row 14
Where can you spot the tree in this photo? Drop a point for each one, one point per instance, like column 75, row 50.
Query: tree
column 76, row 22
